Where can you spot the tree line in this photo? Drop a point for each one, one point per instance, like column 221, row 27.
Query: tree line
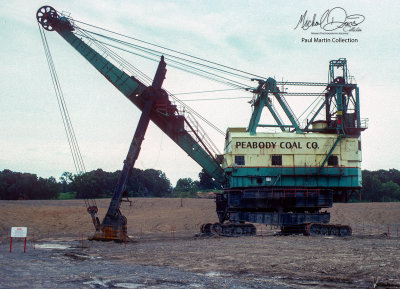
column 381, row 186
column 98, row 184
column 378, row 186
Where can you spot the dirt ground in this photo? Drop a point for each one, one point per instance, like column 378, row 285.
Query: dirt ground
column 156, row 259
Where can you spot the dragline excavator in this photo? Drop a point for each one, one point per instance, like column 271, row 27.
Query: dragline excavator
column 282, row 179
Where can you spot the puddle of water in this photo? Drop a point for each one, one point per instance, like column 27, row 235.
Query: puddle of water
column 216, row 274
column 129, row 285
column 52, row 246
column 213, row 274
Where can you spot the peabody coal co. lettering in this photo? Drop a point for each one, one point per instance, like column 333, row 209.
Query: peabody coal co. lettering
column 273, row 145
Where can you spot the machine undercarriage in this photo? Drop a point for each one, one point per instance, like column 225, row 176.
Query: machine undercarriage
column 295, row 211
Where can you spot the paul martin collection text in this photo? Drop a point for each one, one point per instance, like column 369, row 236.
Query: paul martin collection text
column 329, row 40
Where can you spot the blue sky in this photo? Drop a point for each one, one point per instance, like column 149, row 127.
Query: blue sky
column 255, row 36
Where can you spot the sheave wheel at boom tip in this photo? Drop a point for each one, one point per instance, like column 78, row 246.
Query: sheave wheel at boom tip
column 45, row 15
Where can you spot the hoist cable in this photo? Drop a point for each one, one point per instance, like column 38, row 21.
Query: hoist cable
column 63, row 109
column 71, row 137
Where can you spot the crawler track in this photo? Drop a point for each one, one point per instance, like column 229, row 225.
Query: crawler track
column 313, row 229
column 228, row 229
column 308, row 229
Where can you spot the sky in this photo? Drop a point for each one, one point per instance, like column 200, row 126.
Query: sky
column 254, row 36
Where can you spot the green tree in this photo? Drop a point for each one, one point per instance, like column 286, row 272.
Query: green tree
column 207, row 182
column 148, row 183
column 15, row 186
column 390, row 192
column 156, row 183
column 371, row 186
column 94, row 184
column 66, row 179
column 186, row 187
column 98, row 183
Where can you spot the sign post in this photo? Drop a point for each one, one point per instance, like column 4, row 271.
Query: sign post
column 18, row 232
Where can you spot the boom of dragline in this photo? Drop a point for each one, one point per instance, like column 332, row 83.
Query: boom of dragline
column 282, row 179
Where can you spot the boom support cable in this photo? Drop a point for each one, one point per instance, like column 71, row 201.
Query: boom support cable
column 214, row 71
column 177, row 62
column 167, row 55
column 188, row 63
column 168, row 49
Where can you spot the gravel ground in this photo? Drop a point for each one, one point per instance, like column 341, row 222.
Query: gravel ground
column 51, row 266
column 158, row 261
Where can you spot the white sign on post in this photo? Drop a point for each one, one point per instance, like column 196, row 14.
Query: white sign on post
column 19, row 232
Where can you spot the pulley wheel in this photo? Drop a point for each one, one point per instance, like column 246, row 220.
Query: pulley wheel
column 45, row 16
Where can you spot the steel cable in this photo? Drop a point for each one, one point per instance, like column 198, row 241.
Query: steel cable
column 67, row 123
column 168, row 49
column 120, row 61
